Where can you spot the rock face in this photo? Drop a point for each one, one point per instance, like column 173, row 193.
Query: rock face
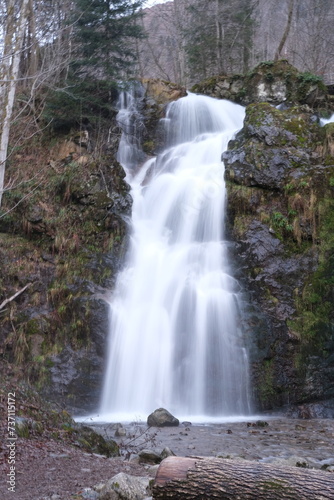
column 273, row 82
column 158, row 94
column 280, row 208
column 162, row 418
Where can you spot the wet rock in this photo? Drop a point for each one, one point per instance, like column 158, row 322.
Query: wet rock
column 321, row 409
column 120, row 431
column 163, row 92
column 166, row 452
column 124, row 486
column 149, row 456
column 162, row 418
column 270, row 146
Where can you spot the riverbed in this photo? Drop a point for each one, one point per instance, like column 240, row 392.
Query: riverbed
column 285, row 441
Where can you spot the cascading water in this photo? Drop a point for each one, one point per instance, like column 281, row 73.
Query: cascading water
column 324, row 121
column 174, row 335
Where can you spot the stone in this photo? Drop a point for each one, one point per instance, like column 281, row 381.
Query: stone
column 167, row 452
column 276, row 181
column 162, row 418
column 149, row 456
column 120, row 432
column 272, row 82
column 93, row 442
column 123, row 486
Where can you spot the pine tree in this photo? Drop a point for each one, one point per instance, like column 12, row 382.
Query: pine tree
column 105, row 34
column 103, row 54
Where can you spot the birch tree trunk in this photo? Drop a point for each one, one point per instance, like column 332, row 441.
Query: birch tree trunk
column 9, row 71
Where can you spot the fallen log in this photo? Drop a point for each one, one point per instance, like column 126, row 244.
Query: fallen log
column 207, row 478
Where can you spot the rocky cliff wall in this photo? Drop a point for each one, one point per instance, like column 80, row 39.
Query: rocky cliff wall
column 279, row 173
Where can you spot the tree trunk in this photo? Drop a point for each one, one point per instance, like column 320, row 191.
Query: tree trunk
column 208, row 478
column 286, row 31
column 9, row 71
column 219, row 41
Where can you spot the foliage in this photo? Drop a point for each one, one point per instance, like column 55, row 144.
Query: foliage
column 218, row 37
column 281, row 222
column 315, row 318
column 81, row 102
column 104, row 33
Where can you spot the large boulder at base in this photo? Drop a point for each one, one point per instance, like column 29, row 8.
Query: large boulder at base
column 162, row 418
column 124, row 486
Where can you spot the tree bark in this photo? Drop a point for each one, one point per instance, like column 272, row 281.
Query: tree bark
column 183, row 478
column 286, row 31
column 219, row 41
column 9, row 71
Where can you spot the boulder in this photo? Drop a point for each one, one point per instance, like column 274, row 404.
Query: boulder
column 123, row 486
column 149, row 456
column 162, row 418
column 93, row 442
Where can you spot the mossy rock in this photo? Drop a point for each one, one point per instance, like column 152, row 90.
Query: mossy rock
column 275, row 82
column 93, row 442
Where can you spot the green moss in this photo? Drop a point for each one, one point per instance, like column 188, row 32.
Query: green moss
column 314, row 320
column 277, row 486
column 267, row 392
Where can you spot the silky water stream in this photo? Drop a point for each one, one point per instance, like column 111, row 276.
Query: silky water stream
column 175, row 340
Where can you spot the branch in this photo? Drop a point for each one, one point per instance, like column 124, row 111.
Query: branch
column 5, row 302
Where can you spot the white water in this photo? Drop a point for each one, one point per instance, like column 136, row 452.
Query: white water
column 174, row 336
column 324, row 121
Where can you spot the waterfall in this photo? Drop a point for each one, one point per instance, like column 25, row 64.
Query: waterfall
column 324, row 121
column 175, row 339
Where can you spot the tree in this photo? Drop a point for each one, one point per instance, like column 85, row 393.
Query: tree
column 16, row 19
column 286, row 31
column 219, row 36
column 104, row 37
column 103, row 53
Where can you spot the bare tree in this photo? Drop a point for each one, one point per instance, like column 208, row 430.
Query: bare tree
column 286, row 31
column 16, row 21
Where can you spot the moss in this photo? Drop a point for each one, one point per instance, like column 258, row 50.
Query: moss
column 315, row 319
column 93, row 442
column 267, row 393
column 148, row 147
column 32, row 327
column 277, row 485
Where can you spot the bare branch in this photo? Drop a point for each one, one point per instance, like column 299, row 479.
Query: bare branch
column 5, row 302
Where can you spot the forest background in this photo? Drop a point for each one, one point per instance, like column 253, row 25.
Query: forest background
column 61, row 61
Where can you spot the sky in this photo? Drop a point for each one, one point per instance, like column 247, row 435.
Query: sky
column 149, row 3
